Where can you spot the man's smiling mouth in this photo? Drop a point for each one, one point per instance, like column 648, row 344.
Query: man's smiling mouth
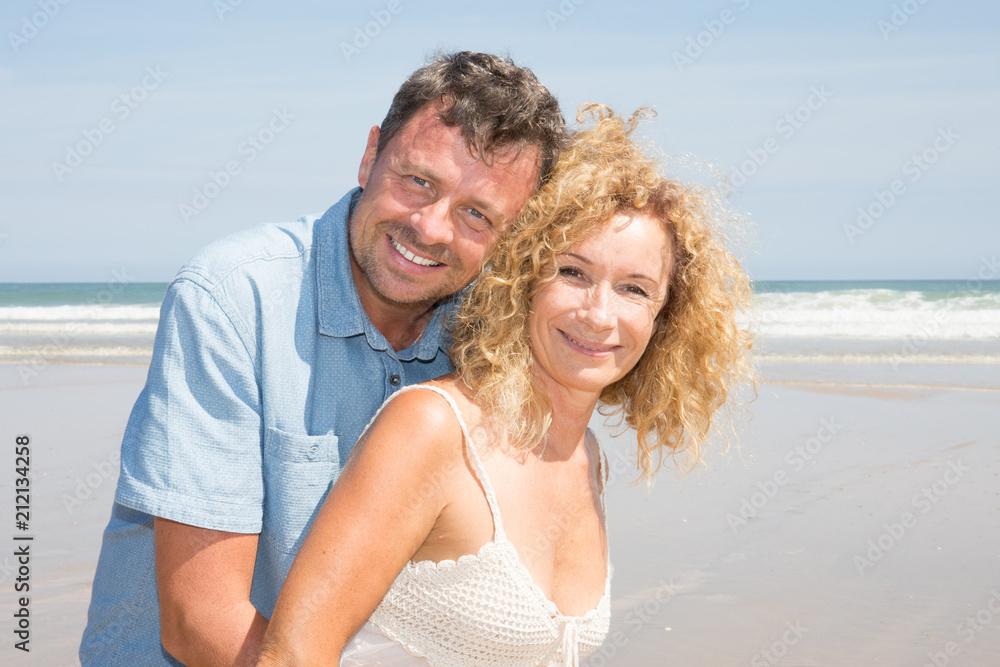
column 416, row 259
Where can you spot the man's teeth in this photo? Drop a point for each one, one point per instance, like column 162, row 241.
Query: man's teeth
column 416, row 259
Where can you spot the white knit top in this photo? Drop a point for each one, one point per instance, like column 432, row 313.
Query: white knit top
column 483, row 609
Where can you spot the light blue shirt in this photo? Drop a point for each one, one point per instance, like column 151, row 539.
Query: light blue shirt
column 265, row 371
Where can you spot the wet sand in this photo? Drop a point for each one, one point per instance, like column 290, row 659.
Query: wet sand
column 857, row 523
column 75, row 416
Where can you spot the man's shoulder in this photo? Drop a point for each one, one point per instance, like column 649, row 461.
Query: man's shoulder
column 251, row 250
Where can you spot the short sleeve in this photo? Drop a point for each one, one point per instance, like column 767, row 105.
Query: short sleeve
column 192, row 448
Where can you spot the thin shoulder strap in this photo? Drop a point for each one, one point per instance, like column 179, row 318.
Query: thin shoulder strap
column 477, row 464
column 603, row 470
column 604, row 475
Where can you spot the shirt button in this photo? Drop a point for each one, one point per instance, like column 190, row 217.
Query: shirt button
column 394, row 380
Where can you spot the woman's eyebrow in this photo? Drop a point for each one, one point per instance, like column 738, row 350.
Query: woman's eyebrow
column 583, row 260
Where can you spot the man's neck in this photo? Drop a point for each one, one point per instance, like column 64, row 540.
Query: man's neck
column 401, row 324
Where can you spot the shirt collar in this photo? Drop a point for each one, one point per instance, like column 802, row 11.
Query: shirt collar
column 340, row 311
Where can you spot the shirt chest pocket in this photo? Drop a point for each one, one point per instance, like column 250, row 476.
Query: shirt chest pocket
column 298, row 472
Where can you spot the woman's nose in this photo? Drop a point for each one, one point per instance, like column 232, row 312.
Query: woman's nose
column 595, row 311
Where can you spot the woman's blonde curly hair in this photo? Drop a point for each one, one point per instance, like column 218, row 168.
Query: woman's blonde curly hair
column 696, row 353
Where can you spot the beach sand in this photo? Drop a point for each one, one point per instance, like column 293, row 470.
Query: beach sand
column 792, row 550
column 819, row 569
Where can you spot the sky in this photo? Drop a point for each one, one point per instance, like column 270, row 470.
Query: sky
column 860, row 138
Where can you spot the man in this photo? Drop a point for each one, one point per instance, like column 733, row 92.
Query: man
column 276, row 346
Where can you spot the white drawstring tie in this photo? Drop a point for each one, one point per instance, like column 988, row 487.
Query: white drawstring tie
column 571, row 644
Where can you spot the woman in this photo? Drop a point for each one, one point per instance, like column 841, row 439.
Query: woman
column 468, row 525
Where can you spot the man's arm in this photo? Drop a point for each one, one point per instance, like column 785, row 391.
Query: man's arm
column 192, row 454
column 204, row 577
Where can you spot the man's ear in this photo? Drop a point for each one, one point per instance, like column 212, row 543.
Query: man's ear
column 368, row 159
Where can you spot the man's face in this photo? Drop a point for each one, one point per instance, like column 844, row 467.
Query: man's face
column 430, row 212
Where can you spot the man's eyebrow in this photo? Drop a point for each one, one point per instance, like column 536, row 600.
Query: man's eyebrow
column 492, row 214
column 487, row 209
column 406, row 166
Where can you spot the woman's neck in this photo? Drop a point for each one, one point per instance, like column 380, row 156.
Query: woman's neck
column 571, row 412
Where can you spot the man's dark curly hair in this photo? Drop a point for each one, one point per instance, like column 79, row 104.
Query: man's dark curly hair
column 497, row 104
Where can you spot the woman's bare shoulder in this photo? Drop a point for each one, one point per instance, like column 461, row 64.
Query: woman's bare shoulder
column 431, row 418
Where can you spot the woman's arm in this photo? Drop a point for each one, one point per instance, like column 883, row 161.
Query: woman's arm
column 377, row 515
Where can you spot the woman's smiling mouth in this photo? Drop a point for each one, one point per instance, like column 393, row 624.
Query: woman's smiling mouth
column 592, row 347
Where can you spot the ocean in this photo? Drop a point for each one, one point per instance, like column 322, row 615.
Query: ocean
column 899, row 321
column 49, row 323
column 892, row 324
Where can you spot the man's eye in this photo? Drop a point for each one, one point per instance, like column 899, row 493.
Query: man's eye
column 419, row 181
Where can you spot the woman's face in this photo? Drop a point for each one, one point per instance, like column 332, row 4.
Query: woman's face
column 590, row 325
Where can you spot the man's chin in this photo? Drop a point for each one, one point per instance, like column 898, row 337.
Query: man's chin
column 413, row 297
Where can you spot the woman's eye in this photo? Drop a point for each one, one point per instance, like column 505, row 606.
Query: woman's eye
column 570, row 271
column 638, row 291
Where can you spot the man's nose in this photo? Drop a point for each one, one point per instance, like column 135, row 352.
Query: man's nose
column 433, row 223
